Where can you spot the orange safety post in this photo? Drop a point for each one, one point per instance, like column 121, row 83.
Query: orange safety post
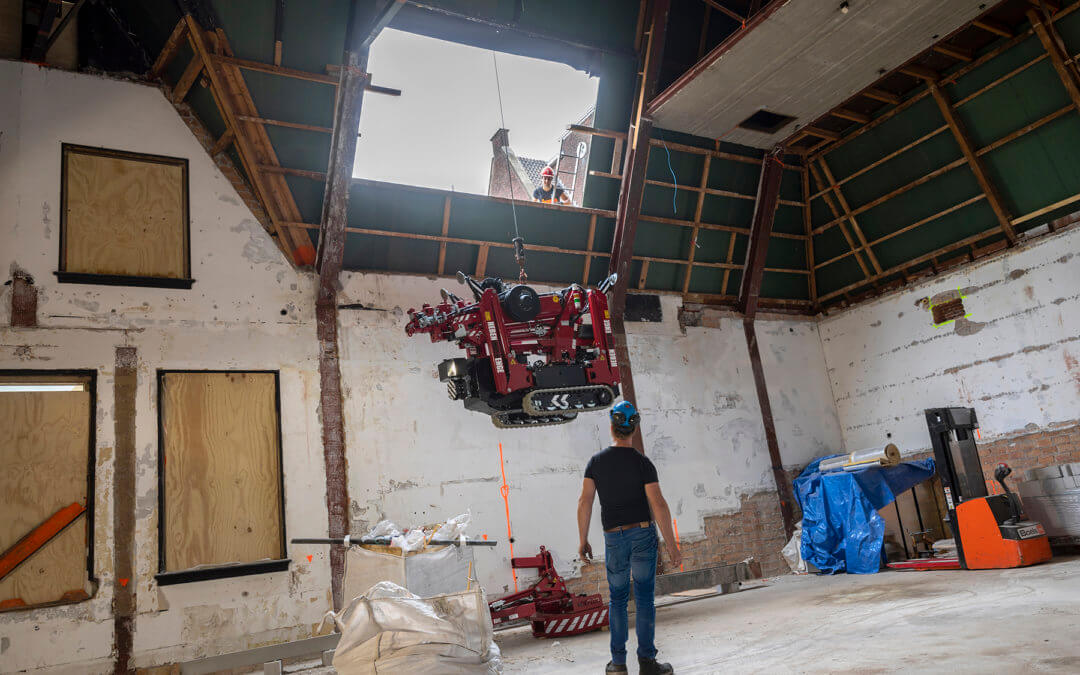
column 505, row 491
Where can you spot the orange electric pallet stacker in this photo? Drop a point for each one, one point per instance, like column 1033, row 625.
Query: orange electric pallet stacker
column 991, row 531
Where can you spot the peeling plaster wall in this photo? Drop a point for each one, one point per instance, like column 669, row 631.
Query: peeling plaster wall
column 417, row 457
column 1015, row 358
column 247, row 310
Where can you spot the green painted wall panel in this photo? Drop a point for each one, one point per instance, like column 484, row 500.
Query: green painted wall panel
column 933, row 236
column 369, row 252
column 830, row 244
column 1040, row 168
column 920, row 202
column 917, row 121
column 658, row 240
column 784, row 286
column 707, row 280
column 712, row 246
column 1009, row 106
column 789, row 219
column 838, row 274
column 460, row 257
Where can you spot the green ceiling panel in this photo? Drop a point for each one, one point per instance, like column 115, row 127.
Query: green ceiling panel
column 838, row 274
column 734, row 279
column 665, row 276
column 915, row 122
column 789, row 219
column 598, row 271
column 786, row 254
column 942, row 232
column 912, row 165
column 993, row 69
column 830, row 244
column 1040, row 168
column 392, row 254
column 555, row 268
column 734, row 176
column 460, row 257
column 722, row 210
column 658, row 240
column 397, row 209
column 920, row 202
column 784, row 286
column 1010, row 105
column 308, row 195
column 712, row 246
column 707, row 280
column 668, row 203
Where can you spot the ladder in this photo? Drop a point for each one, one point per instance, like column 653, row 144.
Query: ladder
column 572, row 172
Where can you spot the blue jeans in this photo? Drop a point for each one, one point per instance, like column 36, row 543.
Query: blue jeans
column 631, row 553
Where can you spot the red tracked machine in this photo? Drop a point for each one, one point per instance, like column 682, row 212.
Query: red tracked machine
column 531, row 359
column 548, row 605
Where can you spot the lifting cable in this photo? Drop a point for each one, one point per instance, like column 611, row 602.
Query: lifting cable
column 519, row 243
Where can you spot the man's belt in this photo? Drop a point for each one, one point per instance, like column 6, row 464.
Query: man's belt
column 631, row 526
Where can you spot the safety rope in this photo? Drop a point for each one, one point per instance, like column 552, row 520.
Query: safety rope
column 505, row 491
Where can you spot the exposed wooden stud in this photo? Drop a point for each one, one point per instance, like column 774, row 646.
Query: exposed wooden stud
column 644, row 274
column 853, row 249
column 718, row 228
column 821, row 133
column 445, row 230
column 279, row 29
column 1046, row 119
column 882, row 160
column 1049, row 39
column 49, row 10
column 881, row 95
column 697, row 219
column 993, row 26
column 589, row 248
column 288, row 125
column 481, row 261
column 850, row 115
column 955, row 52
column 183, row 85
column 992, row 195
column 895, row 193
column 908, row 228
column 847, row 211
column 247, row 64
column 919, row 72
column 724, row 10
column 168, row 52
column 1046, row 209
column 730, row 260
column 808, row 227
column 702, row 40
column 222, row 143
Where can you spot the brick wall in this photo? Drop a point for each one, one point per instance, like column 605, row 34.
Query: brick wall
column 755, row 531
column 1026, row 450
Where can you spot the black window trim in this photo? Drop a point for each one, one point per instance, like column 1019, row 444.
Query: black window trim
column 91, row 465
column 66, row 277
column 168, row 577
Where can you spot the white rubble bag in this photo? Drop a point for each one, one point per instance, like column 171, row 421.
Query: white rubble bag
column 390, row 630
column 792, row 551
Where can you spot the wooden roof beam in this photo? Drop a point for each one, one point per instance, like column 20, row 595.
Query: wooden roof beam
column 919, row 72
column 993, row 26
column 952, row 51
column 724, row 10
column 962, row 139
column 821, row 133
column 850, row 115
column 1050, row 42
column 881, row 95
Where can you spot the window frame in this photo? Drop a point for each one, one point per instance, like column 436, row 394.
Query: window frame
column 165, row 578
column 91, row 464
column 66, row 277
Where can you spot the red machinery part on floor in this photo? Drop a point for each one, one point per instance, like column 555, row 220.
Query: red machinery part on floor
column 548, row 605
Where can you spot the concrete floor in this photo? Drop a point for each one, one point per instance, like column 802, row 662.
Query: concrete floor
column 994, row 621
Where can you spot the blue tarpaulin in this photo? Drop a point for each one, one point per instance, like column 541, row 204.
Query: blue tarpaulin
column 841, row 528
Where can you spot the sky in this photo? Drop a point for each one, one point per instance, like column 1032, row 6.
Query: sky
column 438, row 132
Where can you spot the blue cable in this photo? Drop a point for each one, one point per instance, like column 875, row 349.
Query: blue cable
column 674, row 210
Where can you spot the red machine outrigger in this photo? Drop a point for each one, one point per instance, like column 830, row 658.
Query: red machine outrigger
column 548, row 605
column 532, row 359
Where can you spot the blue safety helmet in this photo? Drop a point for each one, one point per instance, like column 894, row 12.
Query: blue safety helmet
column 625, row 416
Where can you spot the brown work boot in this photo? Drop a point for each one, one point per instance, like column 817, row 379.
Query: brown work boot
column 613, row 668
column 654, row 667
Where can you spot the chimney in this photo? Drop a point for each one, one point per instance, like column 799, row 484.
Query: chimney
column 500, row 140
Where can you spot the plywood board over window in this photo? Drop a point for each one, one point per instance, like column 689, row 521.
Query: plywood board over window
column 124, row 218
column 46, row 449
column 221, row 482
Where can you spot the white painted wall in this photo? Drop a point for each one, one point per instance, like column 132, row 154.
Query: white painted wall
column 418, row 457
column 230, row 319
column 1015, row 359
column 414, row 456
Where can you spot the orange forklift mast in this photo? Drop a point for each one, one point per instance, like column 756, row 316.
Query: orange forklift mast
column 991, row 531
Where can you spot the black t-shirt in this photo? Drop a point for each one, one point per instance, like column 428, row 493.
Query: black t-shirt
column 621, row 475
column 543, row 195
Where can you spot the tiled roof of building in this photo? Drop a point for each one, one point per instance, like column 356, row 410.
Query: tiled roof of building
column 533, row 167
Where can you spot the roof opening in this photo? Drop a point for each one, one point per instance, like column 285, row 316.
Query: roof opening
column 766, row 121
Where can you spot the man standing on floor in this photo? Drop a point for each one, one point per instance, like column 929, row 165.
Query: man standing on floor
column 629, row 489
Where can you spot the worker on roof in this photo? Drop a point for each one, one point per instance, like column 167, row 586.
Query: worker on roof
column 548, row 192
column 630, row 499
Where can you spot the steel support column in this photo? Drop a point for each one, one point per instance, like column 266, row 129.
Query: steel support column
column 783, row 487
column 331, row 252
column 631, row 192
column 768, row 196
